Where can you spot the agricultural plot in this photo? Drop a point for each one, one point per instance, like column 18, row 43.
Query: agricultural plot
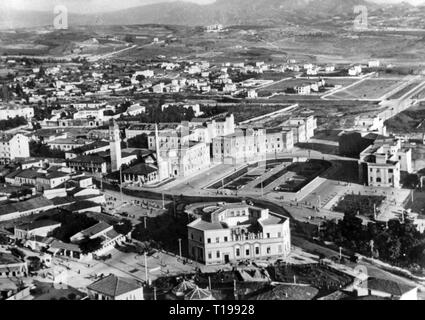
column 369, row 89
column 405, row 90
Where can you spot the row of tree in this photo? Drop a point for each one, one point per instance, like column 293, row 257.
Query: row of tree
column 12, row 123
column 396, row 242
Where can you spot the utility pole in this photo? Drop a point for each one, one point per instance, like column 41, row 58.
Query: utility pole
column 374, row 211
column 235, row 291
column 145, row 222
column 146, row 267
column 209, row 283
column 262, row 189
column 180, row 248
column 122, row 197
column 163, row 201
column 154, row 293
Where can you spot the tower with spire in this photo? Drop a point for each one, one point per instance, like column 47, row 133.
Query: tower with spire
column 115, row 144
column 163, row 172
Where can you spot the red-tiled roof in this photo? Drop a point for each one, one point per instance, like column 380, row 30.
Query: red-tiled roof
column 113, row 286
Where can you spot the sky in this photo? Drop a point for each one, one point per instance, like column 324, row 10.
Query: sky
column 77, row 5
column 93, row 6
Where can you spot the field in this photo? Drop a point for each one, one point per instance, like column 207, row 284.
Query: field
column 369, row 89
column 409, row 121
column 283, row 86
column 344, row 82
column 405, row 90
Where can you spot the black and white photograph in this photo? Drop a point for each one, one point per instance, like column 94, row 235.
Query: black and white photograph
column 208, row 156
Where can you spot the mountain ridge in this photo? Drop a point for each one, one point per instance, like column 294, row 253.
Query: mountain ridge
column 227, row 12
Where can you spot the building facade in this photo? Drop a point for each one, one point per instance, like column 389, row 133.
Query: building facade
column 233, row 232
column 380, row 164
column 115, row 146
column 13, row 146
column 245, row 145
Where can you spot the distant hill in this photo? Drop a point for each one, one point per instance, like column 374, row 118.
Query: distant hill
column 228, row 12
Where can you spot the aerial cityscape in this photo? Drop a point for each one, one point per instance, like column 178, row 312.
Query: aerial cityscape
column 212, row 150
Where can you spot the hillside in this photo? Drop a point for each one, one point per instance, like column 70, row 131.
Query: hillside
column 228, row 12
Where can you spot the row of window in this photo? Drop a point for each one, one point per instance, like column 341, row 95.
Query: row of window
column 379, row 170
column 247, row 252
column 226, row 239
column 379, row 180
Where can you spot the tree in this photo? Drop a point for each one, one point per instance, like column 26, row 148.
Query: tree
column 12, row 123
column 140, row 141
column 90, row 245
column 34, row 264
column 140, row 77
column 411, row 181
column 38, row 149
column 3, row 239
column 123, row 227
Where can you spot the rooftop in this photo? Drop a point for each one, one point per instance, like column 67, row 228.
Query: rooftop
column 38, row 224
column 394, row 288
column 113, row 286
column 32, row 204
column 141, row 169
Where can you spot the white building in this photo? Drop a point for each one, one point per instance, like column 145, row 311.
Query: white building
column 303, row 89
column 252, row 94
column 279, row 140
column 380, row 164
column 11, row 112
column 13, row 146
column 370, row 123
column 179, row 156
column 302, row 127
column 195, row 107
column 244, row 145
column 355, row 71
column 233, row 232
column 135, row 110
column 97, row 114
column 374, row 64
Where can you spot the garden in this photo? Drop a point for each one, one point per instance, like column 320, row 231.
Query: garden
column 400, row 244
column 238, row 174
column 320, row 276
column 305, row 172
column 359, row 204
column 271, row 179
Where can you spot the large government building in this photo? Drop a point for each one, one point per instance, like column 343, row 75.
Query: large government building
column 229, row 233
